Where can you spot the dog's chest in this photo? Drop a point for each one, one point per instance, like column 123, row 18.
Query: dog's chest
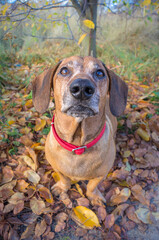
column 92, row 163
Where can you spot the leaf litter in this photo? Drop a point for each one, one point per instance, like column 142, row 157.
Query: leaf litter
column 28, row 209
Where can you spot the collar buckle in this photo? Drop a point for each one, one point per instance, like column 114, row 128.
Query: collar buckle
column 73, row 150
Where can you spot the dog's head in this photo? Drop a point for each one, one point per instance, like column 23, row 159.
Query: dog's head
column 80, row 88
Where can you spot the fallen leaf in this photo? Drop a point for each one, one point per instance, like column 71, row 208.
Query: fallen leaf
column 83, row 202
column 119, row 210
column 40, row 228
column 7, row 174
column 8, row 208
column 29, row 232
column 130, row 213
column 60, row 226
column 39, row 148
column 13, row 235
column 32, row 176
column 21, row 185
column 60, row 218
column 139, row 194
column 143, row 134
column 46, row 194
column 129, row 225
column 18, row 207
column 29, row 218
column 56, row 176
column 11, row 121
column 16, row 197
column 33, row 155
column 29, row 103
column 143, row 214
column 79, row 189
column 26, row 140
column 6, row 193
column 25, row 130
column 122, row 196
column 109, row 221
column 101, row 213
column 120, row 174
column 86, row 216
column 37, row 206
column 65, row 199
column 9, row 185
column 40, row 124
column 29, row 162
column 126, row 154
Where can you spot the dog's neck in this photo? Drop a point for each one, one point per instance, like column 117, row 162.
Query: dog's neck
column 78, row 132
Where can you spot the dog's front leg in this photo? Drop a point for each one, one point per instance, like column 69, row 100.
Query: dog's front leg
column 93, row 192
column 62, row 185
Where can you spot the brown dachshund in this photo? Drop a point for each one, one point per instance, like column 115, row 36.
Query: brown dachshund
column 88, row 97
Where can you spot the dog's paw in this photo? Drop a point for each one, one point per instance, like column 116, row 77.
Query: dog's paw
column 96, row 198
column 58, row 189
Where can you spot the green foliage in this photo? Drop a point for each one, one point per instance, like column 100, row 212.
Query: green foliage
column 46, row 130
column 29, row 95
column 14, row 133
column 13, row 151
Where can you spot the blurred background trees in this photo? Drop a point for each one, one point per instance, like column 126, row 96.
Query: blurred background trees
column 114, row 30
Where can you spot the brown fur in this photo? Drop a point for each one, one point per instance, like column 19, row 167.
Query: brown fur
column 95, row 163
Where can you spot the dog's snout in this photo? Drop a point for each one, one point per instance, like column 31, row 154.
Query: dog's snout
column 82, row 89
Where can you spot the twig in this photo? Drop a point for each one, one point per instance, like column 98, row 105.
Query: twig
column 148, row 94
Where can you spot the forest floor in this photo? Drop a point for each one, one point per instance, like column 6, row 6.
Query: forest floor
column 29, row 210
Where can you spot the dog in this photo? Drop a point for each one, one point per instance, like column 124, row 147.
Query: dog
column 88, row 98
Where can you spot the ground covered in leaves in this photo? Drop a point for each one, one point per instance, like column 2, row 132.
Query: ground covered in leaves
column 28, row 210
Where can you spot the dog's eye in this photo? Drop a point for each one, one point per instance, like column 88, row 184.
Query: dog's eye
column 64, row 71
column 100, row 73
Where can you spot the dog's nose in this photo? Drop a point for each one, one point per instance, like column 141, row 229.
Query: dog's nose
column 82, row 89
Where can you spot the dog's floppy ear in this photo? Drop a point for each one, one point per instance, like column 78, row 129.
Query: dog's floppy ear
column 41, row 89
column 118, row 90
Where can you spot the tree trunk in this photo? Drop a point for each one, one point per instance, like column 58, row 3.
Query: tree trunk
column 87, row 9
column 92, row 36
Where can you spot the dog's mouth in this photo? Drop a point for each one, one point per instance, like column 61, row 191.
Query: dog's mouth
column 80, row 111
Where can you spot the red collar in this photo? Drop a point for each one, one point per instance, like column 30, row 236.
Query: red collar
column 73, row 148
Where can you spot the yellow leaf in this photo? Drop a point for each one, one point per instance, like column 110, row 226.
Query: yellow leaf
column 10, row 122
column 88, row 23
column 5, row 28
column 81, row 38
column 27, row 24
column 56, row 176
column 144, row 86
column 5, row 9
column 39, row 148
column 143, row 134
column 29, row 103
column 40, row 124
column 35, row 145
column 146, row 2
column 86, row 216
column 79, row 189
